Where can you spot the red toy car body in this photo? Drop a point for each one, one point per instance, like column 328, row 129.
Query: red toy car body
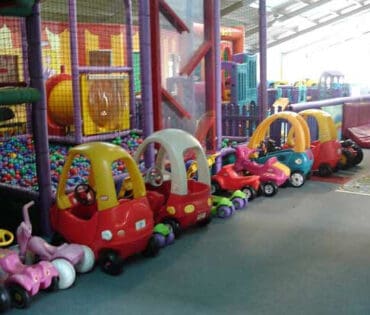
column 228, row 179
column 95, row 216
column 326, row 149
column 175, row 199
column 326, row 156
column 187, row 210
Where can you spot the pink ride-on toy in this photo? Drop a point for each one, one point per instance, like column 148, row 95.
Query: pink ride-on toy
column 25, row 281
column 6, row 238
column 272, row 171
column 67, row 258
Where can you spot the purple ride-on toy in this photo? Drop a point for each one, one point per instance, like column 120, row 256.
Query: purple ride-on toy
column 67, row 258
column 272, row 171
column 24, row 281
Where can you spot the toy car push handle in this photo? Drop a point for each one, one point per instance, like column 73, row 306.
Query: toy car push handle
column 26, row 217
column 6, row 237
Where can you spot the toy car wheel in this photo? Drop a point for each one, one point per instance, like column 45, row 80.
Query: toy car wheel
column 205, row 221
column 87, row 262
column 19, row 297
column 153, row 247
column 110, row 262
column 54, row 285
column 269, row 189
column 325, row 170
column 286, row 183
column 238, row 203
column 296, row 179
column 67, row 273
column 175, row 226
column 57, row 239
column 250, row 192
column 161, row 240
column 224, row 212
column 359, row 155
column 346, row 159
column 215, row 187
column 170, row 239
column 5, row 301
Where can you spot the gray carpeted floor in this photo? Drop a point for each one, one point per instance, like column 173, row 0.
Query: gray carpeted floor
column 304, row 251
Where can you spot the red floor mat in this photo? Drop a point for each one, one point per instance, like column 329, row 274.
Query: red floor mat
column 335, row 179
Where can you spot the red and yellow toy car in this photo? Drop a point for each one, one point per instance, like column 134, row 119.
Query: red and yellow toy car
column 326, row 149
column 95, row 216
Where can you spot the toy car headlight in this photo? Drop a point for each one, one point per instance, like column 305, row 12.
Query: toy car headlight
column 298, row 161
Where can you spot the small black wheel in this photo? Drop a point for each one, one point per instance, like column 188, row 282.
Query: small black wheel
column 215, row 187
column 359, row 155
column 325, row 170
column 152, row 248
column 54, row 285
column 175, row 226
column 346, row 159
column 286, row 183
column 5, row 301
column 269, row 189
column 250, row 192
column 110, row 262
column 19, row 296
column 205, row 221
column 57, row 239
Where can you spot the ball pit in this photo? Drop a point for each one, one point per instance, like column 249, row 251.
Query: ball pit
column 18, row 162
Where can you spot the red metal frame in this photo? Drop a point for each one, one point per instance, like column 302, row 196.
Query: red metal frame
column 206, row 50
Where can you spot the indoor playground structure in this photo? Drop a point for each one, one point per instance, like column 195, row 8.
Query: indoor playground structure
column 91, row 93
column 238, row 84
column 74, row 62
column 198, row 79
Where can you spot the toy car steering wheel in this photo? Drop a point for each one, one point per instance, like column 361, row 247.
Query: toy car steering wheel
column 85, row 194
column 6, row 237
column 154, row 176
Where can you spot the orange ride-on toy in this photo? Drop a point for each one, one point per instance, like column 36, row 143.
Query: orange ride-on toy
column 93, row 215
column 175, row 199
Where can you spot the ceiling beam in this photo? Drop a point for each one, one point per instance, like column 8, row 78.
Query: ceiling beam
column 326, row 23
column 231, row 8
column 235, row 6
column 289, row 15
